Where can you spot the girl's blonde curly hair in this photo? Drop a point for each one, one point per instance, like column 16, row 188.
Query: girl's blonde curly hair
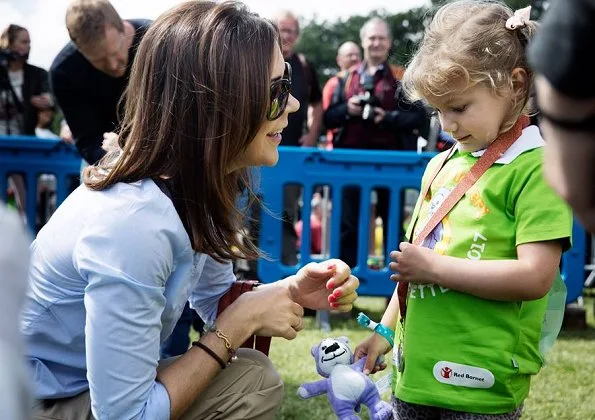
column 466, row 44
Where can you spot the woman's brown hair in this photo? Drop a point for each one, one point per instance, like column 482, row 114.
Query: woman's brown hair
column 9, row 35
column 197, row 96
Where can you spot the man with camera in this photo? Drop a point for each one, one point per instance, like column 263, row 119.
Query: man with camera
column 370, row 112
column 369, row 106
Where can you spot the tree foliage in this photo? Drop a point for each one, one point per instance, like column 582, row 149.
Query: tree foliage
column 320, row 39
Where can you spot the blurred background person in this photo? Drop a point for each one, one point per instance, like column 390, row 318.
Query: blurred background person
column 24, row 88
column 304, row 126
column 24, row 92
column 45, row 118
column 369, row 111
column 315, row 226
column 348, row 55
column 90, row 73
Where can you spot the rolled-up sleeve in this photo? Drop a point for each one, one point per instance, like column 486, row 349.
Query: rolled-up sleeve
column 126, row 267
column 215, row 281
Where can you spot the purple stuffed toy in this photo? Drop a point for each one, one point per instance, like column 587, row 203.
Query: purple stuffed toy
column 345, row 384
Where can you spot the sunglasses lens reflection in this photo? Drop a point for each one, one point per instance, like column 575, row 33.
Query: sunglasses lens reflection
column 279, row 99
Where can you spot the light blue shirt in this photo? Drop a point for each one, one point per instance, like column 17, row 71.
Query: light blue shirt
column 110, row 274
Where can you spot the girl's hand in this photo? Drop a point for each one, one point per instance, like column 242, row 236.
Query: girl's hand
column 413, row 263
column 324, row 286
column 373, row 347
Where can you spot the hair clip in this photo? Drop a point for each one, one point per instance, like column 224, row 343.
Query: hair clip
column 519, row 19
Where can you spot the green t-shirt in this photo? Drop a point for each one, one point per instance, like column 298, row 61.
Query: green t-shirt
column 463, row 352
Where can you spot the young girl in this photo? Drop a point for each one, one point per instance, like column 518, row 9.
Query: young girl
column 157, row 226
column 471, row 332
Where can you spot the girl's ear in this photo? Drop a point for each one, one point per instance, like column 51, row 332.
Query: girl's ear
column 520, row 79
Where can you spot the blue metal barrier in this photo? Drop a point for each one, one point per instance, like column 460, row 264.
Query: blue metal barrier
column 394, row 171
column 30, row 157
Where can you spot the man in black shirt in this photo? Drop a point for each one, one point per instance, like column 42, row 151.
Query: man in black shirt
column 304, row 87
column 91, row 72
column 303, row 127
column 561, row 56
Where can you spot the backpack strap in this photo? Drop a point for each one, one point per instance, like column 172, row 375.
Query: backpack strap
column 339, row 91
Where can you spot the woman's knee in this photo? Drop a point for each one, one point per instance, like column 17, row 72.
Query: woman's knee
column 264, row 374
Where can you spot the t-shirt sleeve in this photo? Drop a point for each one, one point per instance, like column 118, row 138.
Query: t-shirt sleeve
column 561, row 50
column 539, row 214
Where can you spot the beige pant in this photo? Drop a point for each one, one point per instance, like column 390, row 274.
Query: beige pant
column 249, row 388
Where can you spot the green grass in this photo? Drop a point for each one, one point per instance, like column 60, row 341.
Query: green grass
column 562, row 390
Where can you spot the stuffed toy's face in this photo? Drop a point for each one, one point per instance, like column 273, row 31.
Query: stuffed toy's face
column 331, row 352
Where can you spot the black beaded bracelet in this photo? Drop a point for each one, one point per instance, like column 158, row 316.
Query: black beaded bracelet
column 210, row 353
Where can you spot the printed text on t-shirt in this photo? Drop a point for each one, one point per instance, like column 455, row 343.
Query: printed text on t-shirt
column 477, row 247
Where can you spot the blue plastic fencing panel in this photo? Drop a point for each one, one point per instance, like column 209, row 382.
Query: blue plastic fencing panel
column 573, row 263
column 395, row 171
column 33, row 156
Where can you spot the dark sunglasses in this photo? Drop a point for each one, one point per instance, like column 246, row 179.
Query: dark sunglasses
column 280, row 90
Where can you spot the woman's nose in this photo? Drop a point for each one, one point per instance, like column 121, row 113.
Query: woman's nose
column 293, row 104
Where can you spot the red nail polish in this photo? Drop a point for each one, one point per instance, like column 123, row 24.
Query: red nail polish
column 331, row 267
column 337, row 294
column 332, row 298
column 334, row 305
column 330, row 285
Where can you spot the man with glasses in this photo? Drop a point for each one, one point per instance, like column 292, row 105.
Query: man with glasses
column 91, row 72
column 369, row 111
column 304, row 126
column 348, row 55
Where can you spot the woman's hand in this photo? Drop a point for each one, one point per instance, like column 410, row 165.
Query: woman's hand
column 324, row 286
column 273, row 311
column 374, row 346
column 413, row 264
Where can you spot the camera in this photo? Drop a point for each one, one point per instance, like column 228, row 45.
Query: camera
column 368, row 100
